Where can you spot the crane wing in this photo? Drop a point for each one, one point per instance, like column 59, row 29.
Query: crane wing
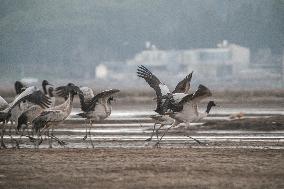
column 89, row 106
column 201, row 93
column 34, row 96
column 3, row 104
column 160, row 88
column 184, row 85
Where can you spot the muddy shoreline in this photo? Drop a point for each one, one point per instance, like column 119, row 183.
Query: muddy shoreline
column 142, row 168
column 117, row 162
column 260, row 124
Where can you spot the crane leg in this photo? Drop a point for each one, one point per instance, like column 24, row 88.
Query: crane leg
column 91, row 135
column 157, row 131
column 198, row 141
column 38, row 140
column 11, row 137
column 158, row 143
column 52, row 137
column 2, row 135
column 49, row 139
column 10, row 134
column 149, row 139
column 86, row 126
column 50, row 134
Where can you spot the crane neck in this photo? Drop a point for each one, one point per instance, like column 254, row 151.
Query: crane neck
column 209, row 106
column 44, row 89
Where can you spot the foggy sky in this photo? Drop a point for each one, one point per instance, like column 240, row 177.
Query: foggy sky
column 70, row 33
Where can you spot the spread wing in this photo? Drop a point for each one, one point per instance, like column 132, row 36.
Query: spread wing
column 90, row 106
column 39, row 98
column 186, row 99
column 181, row 101
column 34, row 96
column 184, row 85
column 62, row 91
column 178, row 100
column 201, row 93
column 160, row 88
column 3, row 104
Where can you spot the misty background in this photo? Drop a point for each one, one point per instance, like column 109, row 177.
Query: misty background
column 94, row 42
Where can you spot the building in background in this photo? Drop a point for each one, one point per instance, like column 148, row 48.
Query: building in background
column 210, row 65
column 225, row 62
column 227, row 65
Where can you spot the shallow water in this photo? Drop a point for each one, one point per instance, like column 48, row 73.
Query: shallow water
column 224, row 111
column 130, row 128
column 120, row 135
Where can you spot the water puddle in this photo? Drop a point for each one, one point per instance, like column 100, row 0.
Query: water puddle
column 130, row 129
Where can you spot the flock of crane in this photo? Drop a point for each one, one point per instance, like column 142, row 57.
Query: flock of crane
column 36, row 110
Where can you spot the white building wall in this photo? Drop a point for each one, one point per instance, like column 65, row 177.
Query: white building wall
column 210, row 65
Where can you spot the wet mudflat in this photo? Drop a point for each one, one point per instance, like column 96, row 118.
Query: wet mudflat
column 142, row 168
column 245, row 153
column 258, row 131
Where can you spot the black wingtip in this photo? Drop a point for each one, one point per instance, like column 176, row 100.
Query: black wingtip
column 202, row 87
column 143, row 69
column 144, row 73
column 202, row 90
